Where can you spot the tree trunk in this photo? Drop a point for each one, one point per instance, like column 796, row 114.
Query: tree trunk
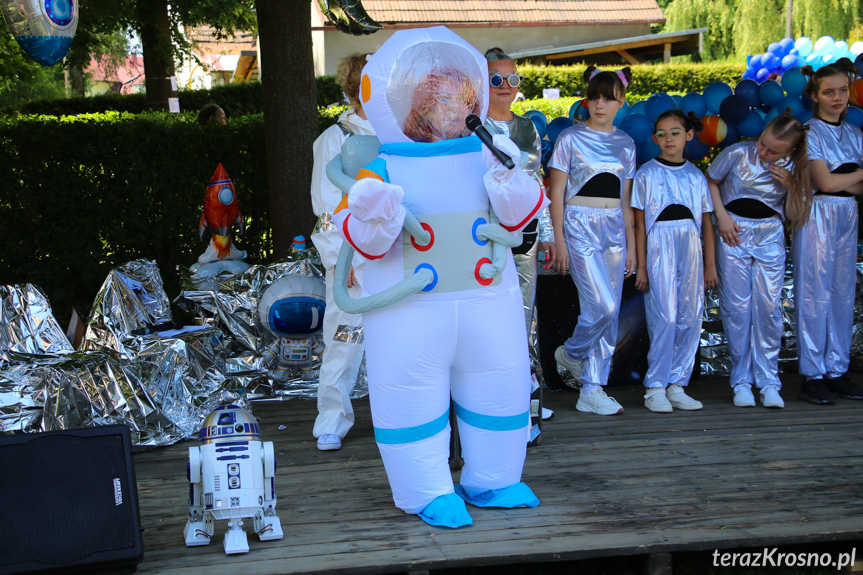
column 290, row 117
column 155, row 36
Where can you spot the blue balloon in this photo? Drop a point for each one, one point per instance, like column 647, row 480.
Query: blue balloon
column 770, row 115
column 637, row 126
column 657, row 104
column 854, row 116
column 638, row 108
column 770, row 92
column 695, row 150
column 752, row 125
column 677, row 98
column 694, row 102
column 792, row 102
column 754, row 62
column 793, row 81
column 775, row 48
column 622, row 113
column 555, row 127
column 769, row 60
column 804, row 46
column 732, row 136
column 804, row 116
column 749, row 74
column 714, row 94
column 762, row 75
column 858, row 62
column 787, row 44
column 788, row 61
column 646, row 150
column 749, row 90
column 734, row 109
column 539, row 120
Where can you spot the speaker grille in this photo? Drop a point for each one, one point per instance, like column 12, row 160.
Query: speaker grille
column 65, row 498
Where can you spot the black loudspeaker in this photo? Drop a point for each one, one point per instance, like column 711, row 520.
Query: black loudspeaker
column 68, row 501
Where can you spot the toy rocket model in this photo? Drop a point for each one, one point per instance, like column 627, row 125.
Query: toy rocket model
column 232, row 477
column 221, row 211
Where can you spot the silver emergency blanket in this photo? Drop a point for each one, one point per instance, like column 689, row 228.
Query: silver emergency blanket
column 27, row 324
column 583, row 153
column 231, row 306
column 160, row 384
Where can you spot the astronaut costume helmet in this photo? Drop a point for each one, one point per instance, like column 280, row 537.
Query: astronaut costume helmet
column 410, row 81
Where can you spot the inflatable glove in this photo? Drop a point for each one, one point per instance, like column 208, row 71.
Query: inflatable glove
column 376, row 215
column 509, row 190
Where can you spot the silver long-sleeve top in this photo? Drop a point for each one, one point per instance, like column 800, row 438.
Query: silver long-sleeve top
column 583, row 152
column 744, row 175
column 658, row 186
column 835, row 145
column 523, row 133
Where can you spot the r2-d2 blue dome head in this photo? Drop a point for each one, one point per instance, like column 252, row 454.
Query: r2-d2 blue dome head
column 293, row 306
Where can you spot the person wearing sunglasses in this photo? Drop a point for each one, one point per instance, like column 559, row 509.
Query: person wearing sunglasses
column 503, row 89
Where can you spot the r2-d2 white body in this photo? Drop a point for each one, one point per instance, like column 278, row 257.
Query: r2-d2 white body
column 232, row 476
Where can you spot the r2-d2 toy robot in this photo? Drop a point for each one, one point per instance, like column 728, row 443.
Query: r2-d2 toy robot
column 232, row 476
column 292, row 309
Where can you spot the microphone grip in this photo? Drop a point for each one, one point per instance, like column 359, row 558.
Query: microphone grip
column 486, row 139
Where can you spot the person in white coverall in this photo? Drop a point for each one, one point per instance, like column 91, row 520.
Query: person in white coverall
column 342, row 332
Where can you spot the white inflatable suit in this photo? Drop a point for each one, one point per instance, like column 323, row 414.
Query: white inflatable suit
column 463, row 334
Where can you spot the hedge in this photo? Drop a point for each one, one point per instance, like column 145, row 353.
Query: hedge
column 83, row 195
column 245, row 98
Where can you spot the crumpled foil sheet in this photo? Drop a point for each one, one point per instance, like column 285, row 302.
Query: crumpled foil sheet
column 27, row 324
column 230, row 305
column 162, row 385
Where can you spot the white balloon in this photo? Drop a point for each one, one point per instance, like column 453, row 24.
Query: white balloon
column 824, row 45
column 856, row 48
column 804, row 46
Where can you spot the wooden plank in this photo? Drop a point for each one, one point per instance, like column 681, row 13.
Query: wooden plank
column 633, row 484
column 628, row 57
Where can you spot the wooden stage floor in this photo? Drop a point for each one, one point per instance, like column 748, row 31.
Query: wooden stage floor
column 631, row 484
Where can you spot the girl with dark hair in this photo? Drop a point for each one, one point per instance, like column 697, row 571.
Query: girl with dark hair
column 672, row 208
column 591, row 171
column 825, row 248
column 755, row 186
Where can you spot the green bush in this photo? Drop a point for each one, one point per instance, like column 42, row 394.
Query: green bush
column 646, row 79
column 83, row 195
column 236, row 99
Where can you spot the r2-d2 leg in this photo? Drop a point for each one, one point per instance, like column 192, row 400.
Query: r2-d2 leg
column 200, row 525
column 268, row 526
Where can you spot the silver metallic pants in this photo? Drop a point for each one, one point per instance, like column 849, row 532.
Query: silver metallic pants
column 824, row 252
column 597, row 256
column 750, row 285
column 674, row 303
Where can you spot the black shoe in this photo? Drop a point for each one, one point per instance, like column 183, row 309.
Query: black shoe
column 843, row 387
column 815, row 391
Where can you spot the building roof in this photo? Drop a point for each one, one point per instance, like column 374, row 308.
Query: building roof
column 124, row 74
column 407, row 13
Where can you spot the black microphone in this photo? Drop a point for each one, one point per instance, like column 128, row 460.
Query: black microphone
column 474, row 124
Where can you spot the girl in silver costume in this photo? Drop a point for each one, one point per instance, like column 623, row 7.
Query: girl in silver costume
column 825, row 248
column 591, row 171
column 503, row 89
column 672, row 208
column 755, row 186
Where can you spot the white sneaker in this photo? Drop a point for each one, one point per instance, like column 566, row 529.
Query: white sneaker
column 655, row 400
column 743, row 395
column 574, row 366
column 597, row 402
column 547, row 413
column 329, row 442
column 770, row 397
column 679, row 400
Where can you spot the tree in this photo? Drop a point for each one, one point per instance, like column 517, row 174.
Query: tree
column 289, row 101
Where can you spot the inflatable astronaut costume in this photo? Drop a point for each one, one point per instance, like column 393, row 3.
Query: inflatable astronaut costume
column 463, row 334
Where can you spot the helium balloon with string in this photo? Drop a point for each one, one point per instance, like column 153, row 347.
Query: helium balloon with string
column 43, row 29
